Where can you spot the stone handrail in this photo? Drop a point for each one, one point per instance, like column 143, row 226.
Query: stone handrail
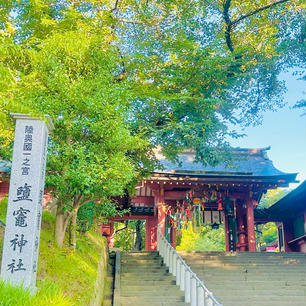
column 196, row 293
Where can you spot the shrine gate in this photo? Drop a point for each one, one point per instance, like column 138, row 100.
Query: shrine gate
column 190, row 192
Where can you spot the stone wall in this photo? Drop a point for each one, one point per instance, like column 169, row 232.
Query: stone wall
column 98, row 294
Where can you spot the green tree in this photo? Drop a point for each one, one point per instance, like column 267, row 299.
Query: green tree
column 125, row 236
column 272, row 196
column 207, row 239
column 214, row 63
column 120, row 77
column 194, row 68
column 67, row 69
column 267, row 232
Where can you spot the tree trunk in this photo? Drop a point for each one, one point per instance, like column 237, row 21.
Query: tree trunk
column 59, row 227
column 74, row 227
column 62, row 221
column 69, row 233
column 138, row 242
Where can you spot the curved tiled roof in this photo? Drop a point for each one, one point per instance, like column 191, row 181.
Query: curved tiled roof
column 250, row 162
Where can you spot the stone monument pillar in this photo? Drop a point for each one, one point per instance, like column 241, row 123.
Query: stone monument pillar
column 24, row 210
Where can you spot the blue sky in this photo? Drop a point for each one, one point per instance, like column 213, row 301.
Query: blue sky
column 284, row 131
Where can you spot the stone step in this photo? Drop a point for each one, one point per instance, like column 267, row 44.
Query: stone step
column 152, row 254
column 153, row 298
column 149, row 282
column 249, row 269
column 153, row 291
column 244, row 260
column 249, row 276
column 247, row 260
column 154, row 264
column 268, row 265
column 264, row 283
column 143, row 270
column 254, row 298
column 262, row 302
column 264, row 292
column 216, row 271
column 244, row 254
column 146, row 287
column 265, row 303
column 145, row 277
column 141, row 261
column 257, row 279
column 146, row 282
column 256, row 285
column 162, row 302
column 235, row 279
column 244, row 263
column 143, row 266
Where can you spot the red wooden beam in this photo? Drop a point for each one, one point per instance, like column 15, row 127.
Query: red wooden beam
column 128, row 217
column 175, row 194
column 149, row 201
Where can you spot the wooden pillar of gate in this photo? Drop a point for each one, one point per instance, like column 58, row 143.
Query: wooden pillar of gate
column 242, row 241
column 250, row 225
column 151, row 233
column 226, row 232
column 159, row 199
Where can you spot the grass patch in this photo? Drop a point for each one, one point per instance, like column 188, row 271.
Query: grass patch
column 48, row 294
column 207, row 239
column 65, row 277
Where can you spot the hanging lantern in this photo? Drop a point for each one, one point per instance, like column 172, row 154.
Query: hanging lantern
column 196, row 201
column 220, row 204
column 213, row 196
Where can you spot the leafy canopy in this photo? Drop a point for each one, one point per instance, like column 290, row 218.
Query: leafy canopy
column 184, row 71
column 119, row 77
column 65, row 65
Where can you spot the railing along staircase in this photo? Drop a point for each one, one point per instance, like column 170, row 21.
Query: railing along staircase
column 195, row 291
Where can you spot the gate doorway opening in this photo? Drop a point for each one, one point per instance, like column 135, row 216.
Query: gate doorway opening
column 130, row 235
column 204, row 238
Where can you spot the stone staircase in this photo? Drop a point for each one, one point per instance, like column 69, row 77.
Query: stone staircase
column 144, row 281
column 257, row 279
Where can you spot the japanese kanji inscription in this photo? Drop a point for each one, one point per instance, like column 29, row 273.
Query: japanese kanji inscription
column 24, row 211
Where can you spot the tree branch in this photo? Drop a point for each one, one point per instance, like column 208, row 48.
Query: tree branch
column 228, row 23
column 115, row 7
column 124, row 20
column 235, row 22
column 121, row 229
column 123, row 74
column 231, row 24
